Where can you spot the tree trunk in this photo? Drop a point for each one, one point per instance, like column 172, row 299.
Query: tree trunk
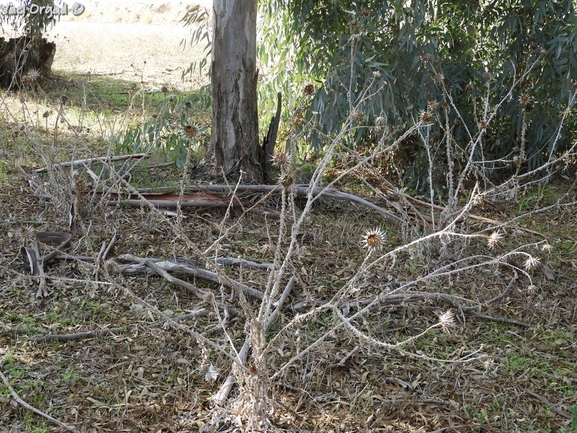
column 234, row 97
column 25, row 60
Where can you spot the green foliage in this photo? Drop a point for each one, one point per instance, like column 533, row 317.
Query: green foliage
column 573, row 427
column 171, row 131
column 32, row 17
column 198, row 16
column 513, row 62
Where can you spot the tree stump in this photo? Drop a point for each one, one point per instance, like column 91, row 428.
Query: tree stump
column 24, row 60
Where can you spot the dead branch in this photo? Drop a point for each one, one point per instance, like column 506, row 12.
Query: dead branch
column 101, row 332
column 219, row 260
column 25, row 405
column 199, row 293
column 549, row 404
column 162, row 268
column 104, row 250
column 343, row 361
column 172, row 201
column 472, row 216
column 241, row 262
column 106, row 159
column 416, row 297
column 302, row 191
column 222, row 394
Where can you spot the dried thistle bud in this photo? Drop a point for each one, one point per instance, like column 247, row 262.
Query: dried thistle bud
column 373, row 239
column 286, row 180
column 447, row 320
column 439, row 78
column 309, row 89
column 31, row 76
column 493, row 239
column 279, row 158
column 359, row 116
column 190, row 131
column 425, row 117
column 531, row 263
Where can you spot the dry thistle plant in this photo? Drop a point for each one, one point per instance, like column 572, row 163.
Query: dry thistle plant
column 343, row 305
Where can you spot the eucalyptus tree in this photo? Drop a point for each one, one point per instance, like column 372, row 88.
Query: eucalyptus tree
column 453, row 60
column 234, row 135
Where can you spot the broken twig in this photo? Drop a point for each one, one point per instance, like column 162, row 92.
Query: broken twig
column 25, row 405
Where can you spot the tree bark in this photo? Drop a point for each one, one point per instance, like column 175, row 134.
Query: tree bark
column 24, row 60
column 234, row 95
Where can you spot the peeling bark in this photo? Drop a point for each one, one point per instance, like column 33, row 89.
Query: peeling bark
column 234, row 89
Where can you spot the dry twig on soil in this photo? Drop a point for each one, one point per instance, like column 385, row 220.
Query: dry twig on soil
column 162, row 268
column 25, row 405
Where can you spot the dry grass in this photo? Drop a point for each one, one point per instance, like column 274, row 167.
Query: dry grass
column 151, row 376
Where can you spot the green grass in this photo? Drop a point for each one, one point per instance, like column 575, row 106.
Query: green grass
column 69, row 376
column 573, row 427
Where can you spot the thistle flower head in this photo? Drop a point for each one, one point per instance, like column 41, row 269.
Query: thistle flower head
column 358, row 116
column 478, row 199
column 439, row 78
column 493, row 239
column 26, row 233
column 374, row 239
column 425, row 117
column 190, row 131
column 447, row 320
column 279, row 158
column 286, row 180
column 531, row 263
column 547, row 248
column 31, row 76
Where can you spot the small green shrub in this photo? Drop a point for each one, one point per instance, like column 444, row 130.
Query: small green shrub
column 173, row 130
